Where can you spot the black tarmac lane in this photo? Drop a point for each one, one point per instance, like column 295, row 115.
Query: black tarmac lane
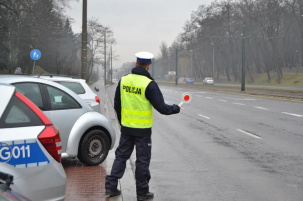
column 224, row 147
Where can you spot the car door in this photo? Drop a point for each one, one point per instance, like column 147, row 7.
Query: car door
column 63, row 110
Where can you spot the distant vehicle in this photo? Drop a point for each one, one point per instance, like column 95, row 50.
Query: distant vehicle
column 189, row 81
column 79, row 86
column 85, row 133
column 208, row 80
column 30, row 149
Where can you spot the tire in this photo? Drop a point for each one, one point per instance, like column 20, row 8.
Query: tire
column 93, row 148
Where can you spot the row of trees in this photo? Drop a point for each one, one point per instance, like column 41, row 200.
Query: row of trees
column 211, row 43
column 32, row 24
column 29, row 24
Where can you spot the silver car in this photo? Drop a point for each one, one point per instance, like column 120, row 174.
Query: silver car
column 30, row 148
column 85, row 133
column 79, row 86
column 208, row 80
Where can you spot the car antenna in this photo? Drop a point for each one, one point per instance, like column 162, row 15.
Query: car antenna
column 40, row 74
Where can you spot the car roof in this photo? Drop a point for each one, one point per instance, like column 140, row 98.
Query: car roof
column 8, row 79
column 61, row 77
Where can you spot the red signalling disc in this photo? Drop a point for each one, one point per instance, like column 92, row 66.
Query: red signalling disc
column 186, row 97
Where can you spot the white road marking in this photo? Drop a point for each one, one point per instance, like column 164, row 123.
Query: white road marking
column 198, row 96
column 238, row 103
column 250, row 134
column 209, row 98
column 203, row 116
column 241, row 99
column 222, row 100
column 261, row 108
column 292, row 114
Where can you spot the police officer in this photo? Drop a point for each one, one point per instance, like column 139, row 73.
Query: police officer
column 136, row 95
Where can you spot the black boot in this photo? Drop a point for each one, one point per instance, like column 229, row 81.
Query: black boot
column 112, row 192
column 147, row 196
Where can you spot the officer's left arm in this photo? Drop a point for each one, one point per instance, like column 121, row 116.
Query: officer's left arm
column 155, row 97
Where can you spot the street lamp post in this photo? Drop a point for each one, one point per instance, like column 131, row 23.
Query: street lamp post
column 243, row 59
column 153, row 68
column 176, row 66
column 191, row 64
column 84, row 41
column 213, row 45
column 104, row 57
column 111, row 64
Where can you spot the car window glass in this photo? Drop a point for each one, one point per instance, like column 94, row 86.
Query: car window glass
column 60, row 100
column 74, row 86
column 32, row 92
column 17, row 114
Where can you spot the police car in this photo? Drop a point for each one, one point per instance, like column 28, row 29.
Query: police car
column 30, row 148
column 85, row 133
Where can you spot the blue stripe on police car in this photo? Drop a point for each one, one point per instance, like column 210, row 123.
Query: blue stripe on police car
column 22, row 154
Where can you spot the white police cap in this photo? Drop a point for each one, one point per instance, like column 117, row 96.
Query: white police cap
column 145, row 57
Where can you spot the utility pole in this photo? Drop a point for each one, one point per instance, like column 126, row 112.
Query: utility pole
column 191, row 63
column 153, row 68
column 104, row 57
column 243, row 58
column 111, row 64
column 213, row 59
column 84, row 41
column 176, row 66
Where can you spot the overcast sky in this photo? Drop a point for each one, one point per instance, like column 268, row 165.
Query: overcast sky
column 138, row 25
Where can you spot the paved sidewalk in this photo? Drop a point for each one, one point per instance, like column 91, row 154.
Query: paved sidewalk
column 84, row 182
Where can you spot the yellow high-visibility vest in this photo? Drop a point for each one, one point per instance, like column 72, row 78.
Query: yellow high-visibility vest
column 136, row 110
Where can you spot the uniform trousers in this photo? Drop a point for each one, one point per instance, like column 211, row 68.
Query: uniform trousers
column 123, row 153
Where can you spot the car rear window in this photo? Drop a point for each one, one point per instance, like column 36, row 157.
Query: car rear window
column 74, row 86
column 17, row 114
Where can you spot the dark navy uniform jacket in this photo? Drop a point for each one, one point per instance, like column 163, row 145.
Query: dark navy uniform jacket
column 155, row 97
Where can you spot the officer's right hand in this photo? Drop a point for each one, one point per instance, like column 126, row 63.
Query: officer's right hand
column 176, row 109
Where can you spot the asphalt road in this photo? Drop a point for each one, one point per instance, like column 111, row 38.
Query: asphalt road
column 227, row 147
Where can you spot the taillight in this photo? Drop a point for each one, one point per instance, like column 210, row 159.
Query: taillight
column 50, row 139
column 97, row 99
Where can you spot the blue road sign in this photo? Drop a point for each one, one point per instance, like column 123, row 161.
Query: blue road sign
column 35, row 54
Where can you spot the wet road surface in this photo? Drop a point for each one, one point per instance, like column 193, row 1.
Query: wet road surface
column 227, row 147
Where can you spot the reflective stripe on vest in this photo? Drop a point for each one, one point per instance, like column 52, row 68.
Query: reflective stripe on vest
column 136, row 110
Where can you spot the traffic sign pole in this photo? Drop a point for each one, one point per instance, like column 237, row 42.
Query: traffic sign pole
column 33, row 70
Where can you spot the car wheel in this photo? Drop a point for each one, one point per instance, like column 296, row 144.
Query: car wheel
column 93, row 148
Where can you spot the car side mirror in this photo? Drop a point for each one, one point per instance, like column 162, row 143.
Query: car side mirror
column 96, row 89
